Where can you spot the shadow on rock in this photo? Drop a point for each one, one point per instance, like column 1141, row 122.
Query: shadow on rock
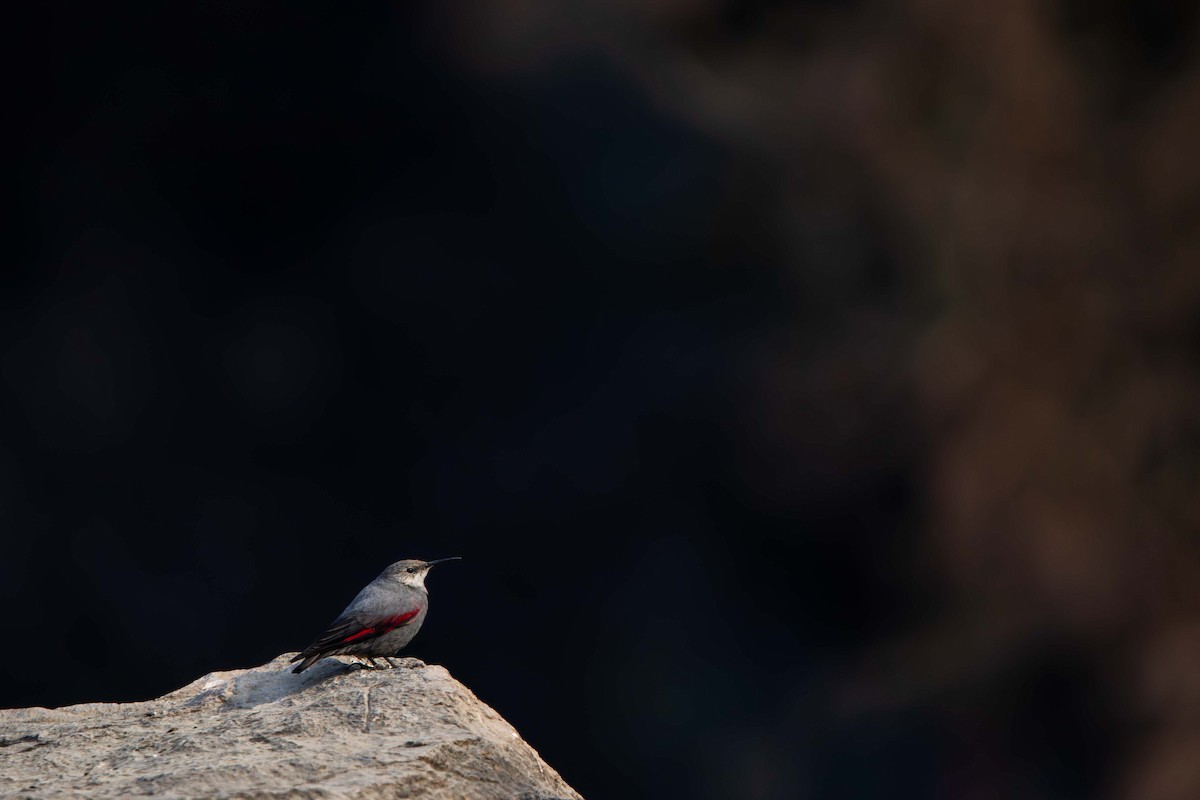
column 267, row 684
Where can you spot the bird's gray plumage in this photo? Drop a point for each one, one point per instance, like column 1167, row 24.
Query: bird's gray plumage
column 380, row 620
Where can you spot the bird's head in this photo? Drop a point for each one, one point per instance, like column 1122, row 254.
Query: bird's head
column 412, row 571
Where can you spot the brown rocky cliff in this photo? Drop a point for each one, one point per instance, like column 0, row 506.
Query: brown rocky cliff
column 335, row 731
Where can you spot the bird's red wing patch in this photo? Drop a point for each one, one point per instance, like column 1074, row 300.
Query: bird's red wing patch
column 384, row 625
column 359, row 634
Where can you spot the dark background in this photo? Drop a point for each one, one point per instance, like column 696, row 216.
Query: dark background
column 811, row 388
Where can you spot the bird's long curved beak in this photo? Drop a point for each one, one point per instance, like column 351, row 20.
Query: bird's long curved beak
column 440, row 560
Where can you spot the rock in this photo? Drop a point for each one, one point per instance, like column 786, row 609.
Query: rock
column 334, row 731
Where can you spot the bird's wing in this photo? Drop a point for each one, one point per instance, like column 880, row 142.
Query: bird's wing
column 352, row 628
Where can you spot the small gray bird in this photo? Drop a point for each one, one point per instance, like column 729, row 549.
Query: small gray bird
column 384, row 617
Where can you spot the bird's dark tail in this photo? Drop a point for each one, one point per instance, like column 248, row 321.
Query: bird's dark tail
column 307, row 662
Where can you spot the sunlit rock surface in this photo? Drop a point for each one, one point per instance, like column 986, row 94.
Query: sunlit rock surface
column 334, row 731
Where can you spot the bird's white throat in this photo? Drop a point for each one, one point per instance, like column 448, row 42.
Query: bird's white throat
column 416, row 579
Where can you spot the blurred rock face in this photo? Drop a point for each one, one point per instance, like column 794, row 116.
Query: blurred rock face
column 1031, row 168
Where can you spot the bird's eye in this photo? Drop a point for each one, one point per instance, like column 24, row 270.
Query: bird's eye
column 411, row 569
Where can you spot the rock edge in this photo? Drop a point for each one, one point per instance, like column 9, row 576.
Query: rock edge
column 334, row 731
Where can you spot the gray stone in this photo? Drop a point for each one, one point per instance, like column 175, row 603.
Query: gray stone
column 335, row 731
